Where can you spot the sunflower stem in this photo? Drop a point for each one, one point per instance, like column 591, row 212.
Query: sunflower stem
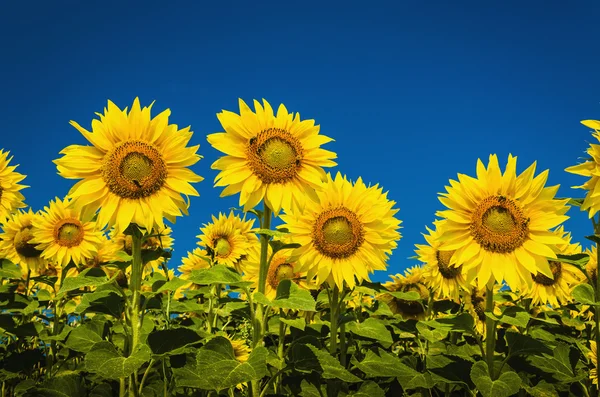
column 259, row 320
column 334, row 313
column 490, row 329
column 136, row 284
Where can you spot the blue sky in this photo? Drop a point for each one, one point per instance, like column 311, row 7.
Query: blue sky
column 412, row 92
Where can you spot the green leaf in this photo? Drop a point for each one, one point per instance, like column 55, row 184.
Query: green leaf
column 102, row 390
column 217, row 369
column 371, row 328
column 433, row 335
column 82, row 338
column 560, row 365
column 584, row 293
column 579, row 260
column 369, row 389
column 9, row 269
column 542, row 389
column 63, row 384
column 384, row 364
column 519, row 344
column 172, row 340
column 407, row 296
column 309, row 390
column 506, row 385
column 463, row 322
column 289, row 296
column 277, row 245
column 172, row 285
column 92, row 277
column 299, row 323
column 271, row 233
column 594, row 237
column 104, row 360
column 218, row 274
column 331, row 367
column 513, row 315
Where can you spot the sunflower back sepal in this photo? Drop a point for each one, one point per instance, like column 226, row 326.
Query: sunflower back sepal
column 579, row 260
column 594, row 237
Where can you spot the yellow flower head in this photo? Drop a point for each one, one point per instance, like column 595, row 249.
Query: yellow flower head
column 591, row 169
column 591, row 268
column 410, row 281
column 135, row 172
column 195, row 260
column 160, row 240
column 64, row 234
column 282, row 267
column 16, row 244
column 347, row 234
column 107, row 252
column 275, row 157
column 228, row 239
column 10, row 195
column 557, row 290
column 499, row 224
column 446, row 281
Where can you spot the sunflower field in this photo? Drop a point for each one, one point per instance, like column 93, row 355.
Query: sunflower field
column 277, row 299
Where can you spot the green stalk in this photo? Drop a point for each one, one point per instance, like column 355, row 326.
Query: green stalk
column 121, row 387
column 135, row 285
column 490, row 329
column 280, row 351
column 259, row 320
column 334, row 314
column 342, row 310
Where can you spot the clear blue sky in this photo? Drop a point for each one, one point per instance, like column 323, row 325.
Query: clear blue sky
column 413, row 92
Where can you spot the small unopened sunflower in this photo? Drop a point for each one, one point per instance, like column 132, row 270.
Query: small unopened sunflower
column 345, row 236
column 275, row 157
column 227, row 239
column 593, row 355
column 10, row 195
column 590, row 168
column 16, row 244
column 557, row 290
column 499, row 224
column 410, row 281
column 64, row 234
column 135, row 172
column 446, row 281
column 282, row 267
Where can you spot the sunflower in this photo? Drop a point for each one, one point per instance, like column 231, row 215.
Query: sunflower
column 282, row 267
column 557, row 290
column 10, row 197
column 49, row 270
column 241, row 350
column 136, row 170
column 591, row 268
column 475, row 305
column 593, row 355
column 63, row 234
column 195, row 260
column 349, row 233
column 277, row 158
column 16, row 244
column 107, row 252
column 159, row 240
column 590, row 168
column 445, row 281
column 499, row 225
column 411, row 281
column 227, row 239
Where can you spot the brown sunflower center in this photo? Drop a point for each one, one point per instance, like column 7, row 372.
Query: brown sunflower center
column 499, row 225
column 68, row 232
column 274, row 155
column 280, row 270
column 338, row 233
column 22, row 245
column 49, row 271
column 134, row 170
column 222, row 247
column 443, row 260
column 556, row 268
